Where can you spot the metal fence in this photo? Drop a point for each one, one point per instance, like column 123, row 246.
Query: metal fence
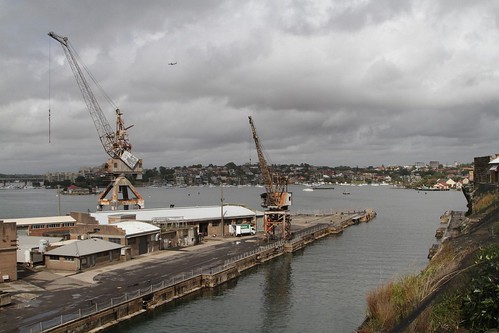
column 96, row 306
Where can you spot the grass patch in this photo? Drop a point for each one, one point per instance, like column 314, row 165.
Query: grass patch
column 390, row 303
column 442, row 317
column 485, row 202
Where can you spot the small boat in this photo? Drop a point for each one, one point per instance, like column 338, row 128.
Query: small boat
column 308, row 189
column 323, row 187
column 346, row 193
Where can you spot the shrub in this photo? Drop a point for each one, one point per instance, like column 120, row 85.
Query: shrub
column 480, row 306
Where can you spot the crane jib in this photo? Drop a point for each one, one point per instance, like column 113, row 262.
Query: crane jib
column 116, row 144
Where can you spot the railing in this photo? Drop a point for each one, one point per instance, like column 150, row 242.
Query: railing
column 96, row 307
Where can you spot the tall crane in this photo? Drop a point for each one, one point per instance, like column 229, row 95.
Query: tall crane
column 276, row 199
column 116, row 144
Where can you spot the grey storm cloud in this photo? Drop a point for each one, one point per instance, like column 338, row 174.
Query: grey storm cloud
column 326, row 82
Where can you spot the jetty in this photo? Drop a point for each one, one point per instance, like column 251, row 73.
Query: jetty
column 97, row 314
column 455, row 221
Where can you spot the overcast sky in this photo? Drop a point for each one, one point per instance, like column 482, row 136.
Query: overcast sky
column 350, row 82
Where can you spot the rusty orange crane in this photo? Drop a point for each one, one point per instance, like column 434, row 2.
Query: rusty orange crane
column 276, row 199
column 116, row 144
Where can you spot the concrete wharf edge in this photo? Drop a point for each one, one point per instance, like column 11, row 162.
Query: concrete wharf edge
column 115, row 314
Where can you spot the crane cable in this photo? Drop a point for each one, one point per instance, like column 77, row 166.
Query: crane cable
column 106, row 96
column 50, row 82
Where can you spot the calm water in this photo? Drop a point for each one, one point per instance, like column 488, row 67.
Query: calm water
column 320, row 289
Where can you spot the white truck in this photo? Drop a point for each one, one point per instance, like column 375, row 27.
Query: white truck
column 244, row 230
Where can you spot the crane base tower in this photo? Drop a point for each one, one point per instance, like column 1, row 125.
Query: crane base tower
column 277, row 224
column 122, row 194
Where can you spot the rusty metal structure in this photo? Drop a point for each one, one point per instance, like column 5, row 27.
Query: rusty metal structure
column 116, row 143
column 276, row 199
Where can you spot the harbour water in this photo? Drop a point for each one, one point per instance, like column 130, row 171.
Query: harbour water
column 319, row 289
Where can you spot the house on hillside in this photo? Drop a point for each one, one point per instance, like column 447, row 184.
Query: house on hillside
column 451, row 183
column 441, row 186
column 75, row 190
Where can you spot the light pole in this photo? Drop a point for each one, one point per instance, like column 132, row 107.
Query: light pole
column 59, row 197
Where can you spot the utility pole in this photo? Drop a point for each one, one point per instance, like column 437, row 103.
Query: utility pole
column 222, row 207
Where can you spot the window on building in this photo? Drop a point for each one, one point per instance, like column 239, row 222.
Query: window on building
column 69, row 259
column 54, row 258
column 115, row 240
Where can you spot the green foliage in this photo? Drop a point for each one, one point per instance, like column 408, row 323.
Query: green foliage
column 446, row 315
column 480, row 305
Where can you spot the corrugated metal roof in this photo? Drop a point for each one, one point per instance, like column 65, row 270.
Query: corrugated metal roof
column 41, row 220
column 494, row 161
column 84, row 248
column 197, row 213
column 134, row 228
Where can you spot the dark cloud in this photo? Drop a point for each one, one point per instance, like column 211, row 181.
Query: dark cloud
column 327, row 82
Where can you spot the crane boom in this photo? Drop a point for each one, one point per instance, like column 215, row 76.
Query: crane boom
column 276, row 186
column 116, row 144
column 262, row 163
column 277, row 199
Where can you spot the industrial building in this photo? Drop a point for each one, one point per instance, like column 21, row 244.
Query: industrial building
column 207, row 220
column 86, row 240
column 49, row 226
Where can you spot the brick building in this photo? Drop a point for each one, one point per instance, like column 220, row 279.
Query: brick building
column 79, row 255
column 139, row 237
column 8, row 251
column 481, row 170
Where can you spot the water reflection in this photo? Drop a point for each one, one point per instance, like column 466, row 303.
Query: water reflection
column 277, row 294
